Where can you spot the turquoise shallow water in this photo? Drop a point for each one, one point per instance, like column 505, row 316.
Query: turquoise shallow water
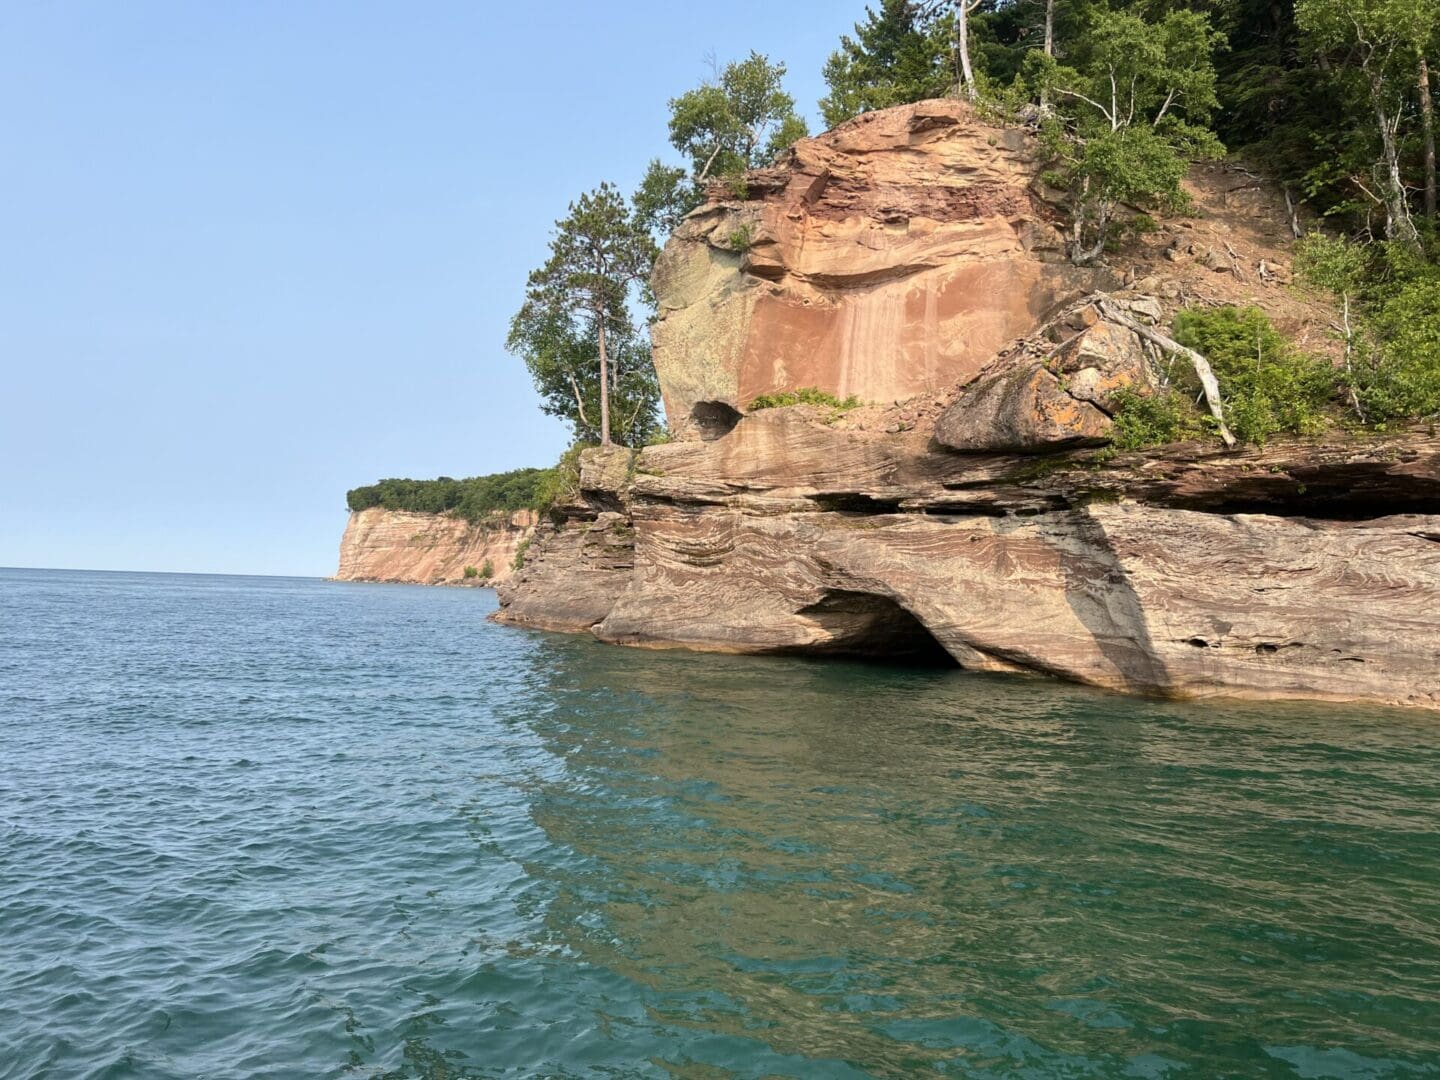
column 284, row 828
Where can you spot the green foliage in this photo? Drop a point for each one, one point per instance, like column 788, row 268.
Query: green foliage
column 487, row 571
column 740, row 238
column 1400, row 380
column 1375, row 45
column 475, row 499
column 897, row 55
column 1267, row 385
column 1154, row 419
column 741, row 119
column 1390, row 300
column 1130, row 115
column 561, row 483
column 664, row 198
column 805, row 395
column 1333, row 263
column 470, row 572
column 576, row 321
column 520, row 549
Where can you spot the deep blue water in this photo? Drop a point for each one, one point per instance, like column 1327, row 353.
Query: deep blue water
column 258, row 827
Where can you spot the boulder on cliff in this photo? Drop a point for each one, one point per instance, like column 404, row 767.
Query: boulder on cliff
column 1056, row 388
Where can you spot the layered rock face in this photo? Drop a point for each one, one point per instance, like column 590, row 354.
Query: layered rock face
column 891, row 257
column 1294, row 571
column 429, row 549
column 977, row 517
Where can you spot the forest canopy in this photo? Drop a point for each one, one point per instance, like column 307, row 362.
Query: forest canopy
column 475, row 498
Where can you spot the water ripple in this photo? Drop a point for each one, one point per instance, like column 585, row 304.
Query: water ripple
column 274, row 828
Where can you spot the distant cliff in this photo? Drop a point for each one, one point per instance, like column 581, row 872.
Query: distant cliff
column 430, row 549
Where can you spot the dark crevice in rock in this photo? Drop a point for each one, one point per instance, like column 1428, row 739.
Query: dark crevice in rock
column 965, row 510
column 714, row 419
column 1338, row 507
column 855, row 502
column 868, row 626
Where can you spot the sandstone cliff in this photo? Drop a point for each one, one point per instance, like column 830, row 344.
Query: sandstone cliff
column 429, row 549
column 966, row 516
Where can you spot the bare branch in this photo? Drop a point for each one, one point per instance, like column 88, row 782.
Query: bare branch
column 579, row 403
column 1203, row 370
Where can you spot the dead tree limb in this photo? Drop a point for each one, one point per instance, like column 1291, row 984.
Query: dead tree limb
column 1203, row 370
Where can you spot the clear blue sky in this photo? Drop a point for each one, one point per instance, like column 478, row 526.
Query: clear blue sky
column 254, row 254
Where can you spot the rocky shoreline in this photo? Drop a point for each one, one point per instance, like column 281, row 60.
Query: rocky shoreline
column 974, row 513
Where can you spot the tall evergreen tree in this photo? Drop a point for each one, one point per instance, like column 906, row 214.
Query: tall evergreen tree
column 896, row 56
column 575, row 330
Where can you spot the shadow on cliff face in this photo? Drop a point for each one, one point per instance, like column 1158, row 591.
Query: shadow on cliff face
column 1099, row 592
column 868, row 626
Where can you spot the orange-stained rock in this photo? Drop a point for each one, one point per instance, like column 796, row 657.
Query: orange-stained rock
column 1022, row 409
column 1039, row 395
column 890, row 257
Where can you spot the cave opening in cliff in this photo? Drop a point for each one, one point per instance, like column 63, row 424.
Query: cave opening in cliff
column 714, row 419
column 868, row 626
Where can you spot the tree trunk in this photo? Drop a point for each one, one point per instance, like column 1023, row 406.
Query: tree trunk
column 604, row 387
column 1398, row 225
column 962, row 31
column 1203, row 371
column 1049, row 48
column 1427, row 122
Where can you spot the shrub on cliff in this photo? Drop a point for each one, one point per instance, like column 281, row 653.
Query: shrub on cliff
column 805, row 395
column 1155, row 419
column 1390, row 325
column 1268, row 386
column 560, row 482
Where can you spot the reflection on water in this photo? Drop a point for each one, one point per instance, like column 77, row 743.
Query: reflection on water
column 915, row 871
column 319, row 830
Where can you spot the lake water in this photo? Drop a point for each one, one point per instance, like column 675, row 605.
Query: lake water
column 260, row 827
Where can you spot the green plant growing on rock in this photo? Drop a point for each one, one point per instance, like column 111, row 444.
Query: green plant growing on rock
column 487, row 571
column 561, row 482
column 1390, row 324
column 1269, row 386
column 1143, row 420
column 518, row 563
column 805, row 395
column 740, row 239
column 470, row 572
